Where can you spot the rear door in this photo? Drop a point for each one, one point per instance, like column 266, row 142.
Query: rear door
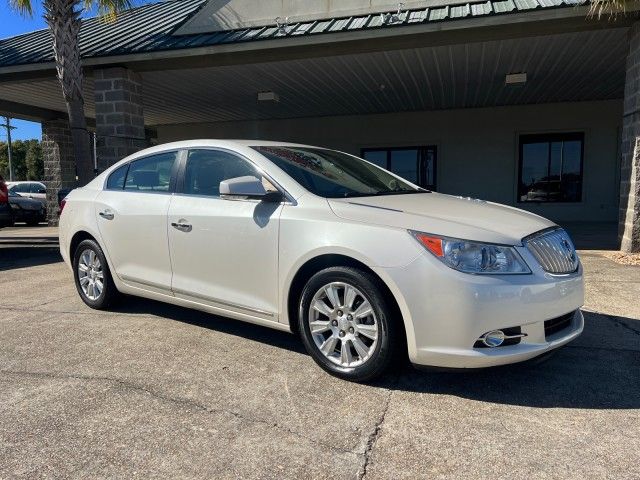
column 224, row 252
column 132, row 217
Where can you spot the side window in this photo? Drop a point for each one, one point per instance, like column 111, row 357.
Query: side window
column 21, row 188
column 38, row 188
column 151, row 174
column 116, row 179
column 205, row 170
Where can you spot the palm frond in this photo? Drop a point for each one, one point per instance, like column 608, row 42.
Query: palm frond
column 610, row 8
column 108, row 9
column 23, row 6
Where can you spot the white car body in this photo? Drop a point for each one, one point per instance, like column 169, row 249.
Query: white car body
column 240, row 258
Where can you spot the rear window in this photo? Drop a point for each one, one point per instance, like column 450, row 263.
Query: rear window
column 116, row 179
column 151, row 174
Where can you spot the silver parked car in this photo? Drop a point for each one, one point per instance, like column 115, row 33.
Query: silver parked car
column 30, row 189
column 26, row 209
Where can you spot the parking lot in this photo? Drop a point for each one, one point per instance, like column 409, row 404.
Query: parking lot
column 152, row 390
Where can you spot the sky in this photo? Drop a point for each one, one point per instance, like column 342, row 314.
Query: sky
column 13, row 23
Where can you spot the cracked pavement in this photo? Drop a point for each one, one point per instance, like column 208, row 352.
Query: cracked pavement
column 152, row 390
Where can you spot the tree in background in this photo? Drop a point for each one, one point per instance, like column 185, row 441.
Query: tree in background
column 27, row 160
column 63, row 19
column 34, row 161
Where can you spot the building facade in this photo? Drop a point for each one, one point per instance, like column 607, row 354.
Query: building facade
column 530, row 103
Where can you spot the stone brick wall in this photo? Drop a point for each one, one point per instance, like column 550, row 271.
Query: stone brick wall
column 59, row 164
column 119, row 114
column 629, row 216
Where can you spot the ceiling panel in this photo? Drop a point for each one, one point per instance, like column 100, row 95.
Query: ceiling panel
column 564, row 67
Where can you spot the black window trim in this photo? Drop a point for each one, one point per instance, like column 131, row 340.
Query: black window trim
column 549, row 138
column 289, row 199
column 422, row 150
column 172, row 180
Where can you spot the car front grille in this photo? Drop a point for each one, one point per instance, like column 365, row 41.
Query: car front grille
column 554, row 251
column 555, row 325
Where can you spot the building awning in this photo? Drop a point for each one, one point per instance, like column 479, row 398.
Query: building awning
column 154, row 28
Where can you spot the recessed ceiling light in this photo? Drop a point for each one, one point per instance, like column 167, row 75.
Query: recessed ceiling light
column 515, row 78
column 268, row 96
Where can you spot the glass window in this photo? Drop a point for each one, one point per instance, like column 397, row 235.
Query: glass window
column 379, row 157
column 416, row 164
column 36, row 187
column 332, row 174
column 20, row 188
column 116, row 179
column 551, row 168
column 205, row 170
column 151, row 174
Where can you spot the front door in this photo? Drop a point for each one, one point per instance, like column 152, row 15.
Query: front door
column 132, row 219
column 224, row 252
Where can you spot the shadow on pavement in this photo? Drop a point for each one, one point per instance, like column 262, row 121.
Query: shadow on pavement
column 575, row 376
column 258, row 333
column 28, row 255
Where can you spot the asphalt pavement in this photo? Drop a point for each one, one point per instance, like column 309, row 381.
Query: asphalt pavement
column 151, row 390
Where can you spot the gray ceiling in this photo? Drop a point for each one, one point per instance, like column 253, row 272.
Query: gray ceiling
column 563, row 67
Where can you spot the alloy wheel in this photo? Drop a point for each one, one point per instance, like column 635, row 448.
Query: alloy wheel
column 343, row 324
column 90, row 274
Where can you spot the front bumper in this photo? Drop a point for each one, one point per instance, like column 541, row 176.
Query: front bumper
column 445, row 311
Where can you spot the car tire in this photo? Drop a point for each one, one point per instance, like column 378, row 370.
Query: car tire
column 90, row 270
column 345, row 342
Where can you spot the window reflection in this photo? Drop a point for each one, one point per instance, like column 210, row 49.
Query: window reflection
column 416, row 164
column 551, row 168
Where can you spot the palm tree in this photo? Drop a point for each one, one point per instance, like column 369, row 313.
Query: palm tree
column 610, row 8
column 63, row 19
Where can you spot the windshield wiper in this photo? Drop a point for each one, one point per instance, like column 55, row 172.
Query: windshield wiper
column 401, row 192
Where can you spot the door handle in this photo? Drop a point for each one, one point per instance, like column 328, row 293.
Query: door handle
column 183, row 227
column 107, row 214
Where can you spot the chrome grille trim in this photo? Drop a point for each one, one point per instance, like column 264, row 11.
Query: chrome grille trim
column 554, row 250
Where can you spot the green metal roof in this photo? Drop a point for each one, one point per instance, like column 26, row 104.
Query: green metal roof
column 150, row 28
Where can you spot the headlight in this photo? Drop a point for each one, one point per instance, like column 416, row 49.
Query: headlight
column 473, row 257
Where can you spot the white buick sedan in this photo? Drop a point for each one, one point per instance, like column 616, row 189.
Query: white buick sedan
column 358, row 262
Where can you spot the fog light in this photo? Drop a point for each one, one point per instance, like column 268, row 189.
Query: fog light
column 493, row 338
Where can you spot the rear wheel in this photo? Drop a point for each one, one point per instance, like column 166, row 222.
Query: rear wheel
column 347, row 325
column 92, row 276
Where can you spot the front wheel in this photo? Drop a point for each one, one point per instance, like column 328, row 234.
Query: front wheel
column 347, row 325
column 92, row 276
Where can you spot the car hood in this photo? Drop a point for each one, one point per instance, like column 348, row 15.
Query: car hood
column 444, row 215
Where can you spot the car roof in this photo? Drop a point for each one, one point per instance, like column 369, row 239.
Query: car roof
column 209, row 142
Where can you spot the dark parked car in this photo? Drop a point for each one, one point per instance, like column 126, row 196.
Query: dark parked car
column 26, row 209
column 6, row 217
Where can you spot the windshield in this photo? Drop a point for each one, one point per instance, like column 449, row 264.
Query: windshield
column 332, row 174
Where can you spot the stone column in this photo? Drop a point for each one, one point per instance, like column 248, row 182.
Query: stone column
column 629, row 215
column 59, row 163
column 119, row 114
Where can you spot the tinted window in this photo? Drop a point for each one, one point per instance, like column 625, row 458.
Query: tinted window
column 205, row 170
column 116, row 179
column 37, row 187
column 332, row 174
column 20, row 188
column 551, row 168
column 151, row 174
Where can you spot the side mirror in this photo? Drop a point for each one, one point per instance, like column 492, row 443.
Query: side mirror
column 250, row 187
